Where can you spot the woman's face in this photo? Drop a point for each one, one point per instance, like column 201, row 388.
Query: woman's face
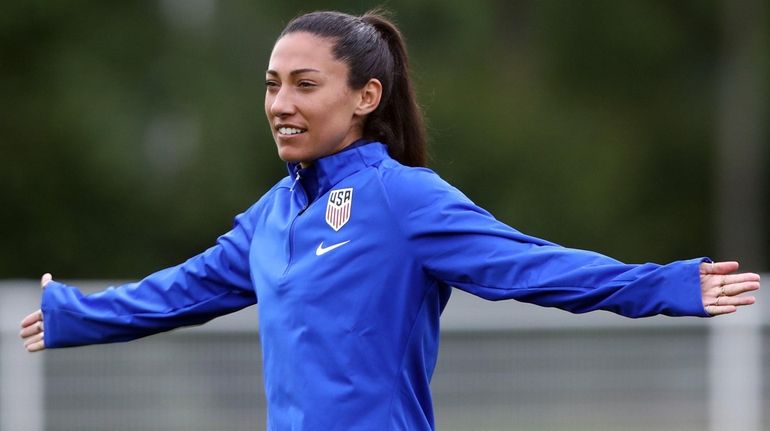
column 311, row 110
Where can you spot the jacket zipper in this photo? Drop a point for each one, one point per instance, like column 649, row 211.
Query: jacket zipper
column 297, row 178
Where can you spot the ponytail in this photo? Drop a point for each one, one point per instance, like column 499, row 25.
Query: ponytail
column 398, row 118
column 373, row 47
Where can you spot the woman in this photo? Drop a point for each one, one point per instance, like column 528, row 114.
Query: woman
column 353, row 255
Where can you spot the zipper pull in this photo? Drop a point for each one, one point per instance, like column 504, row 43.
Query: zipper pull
column 296, row 180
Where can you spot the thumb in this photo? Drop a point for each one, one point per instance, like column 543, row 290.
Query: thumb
column 45, row 279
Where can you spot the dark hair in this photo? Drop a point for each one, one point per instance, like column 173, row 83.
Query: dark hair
column 372, row 47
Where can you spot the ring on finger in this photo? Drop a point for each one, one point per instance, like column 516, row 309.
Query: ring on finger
column 717, row 301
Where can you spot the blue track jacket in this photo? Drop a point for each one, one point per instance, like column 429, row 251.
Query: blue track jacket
column 352, row 261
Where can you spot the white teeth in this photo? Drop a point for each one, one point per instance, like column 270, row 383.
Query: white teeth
column 289, row 131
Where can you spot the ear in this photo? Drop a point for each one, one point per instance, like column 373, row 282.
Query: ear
column 370, row 94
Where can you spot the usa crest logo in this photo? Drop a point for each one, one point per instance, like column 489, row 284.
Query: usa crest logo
column 338, row 208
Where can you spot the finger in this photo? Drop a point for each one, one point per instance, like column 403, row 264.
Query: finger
column 32, row 318
column 45, row 279
column 33, row 339
column 734, row 300
column 739, row 288
column 28, row 332
column 36, row 346
column 718, row 310
column 32, row 330
column 740, row 278
column 719, row 267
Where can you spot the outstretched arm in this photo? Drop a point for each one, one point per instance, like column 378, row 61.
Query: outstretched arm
column 721, row 289
column 464, row 246
column 210, row 284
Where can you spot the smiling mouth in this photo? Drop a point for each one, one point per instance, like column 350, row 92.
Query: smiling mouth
column 290, row 131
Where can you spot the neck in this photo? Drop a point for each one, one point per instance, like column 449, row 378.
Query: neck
column 352, row 144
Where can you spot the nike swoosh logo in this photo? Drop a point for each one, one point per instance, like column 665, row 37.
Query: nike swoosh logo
column 323, row 250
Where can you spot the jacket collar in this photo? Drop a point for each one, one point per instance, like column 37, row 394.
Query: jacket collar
column 327, row 171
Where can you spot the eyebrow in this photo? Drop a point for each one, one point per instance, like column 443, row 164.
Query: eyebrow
column 293, row 72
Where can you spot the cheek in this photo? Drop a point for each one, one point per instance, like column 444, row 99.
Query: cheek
column 268, row 102
column 338, row 111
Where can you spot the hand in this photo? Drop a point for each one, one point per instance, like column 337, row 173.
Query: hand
column 720, row 288
column 32, row 325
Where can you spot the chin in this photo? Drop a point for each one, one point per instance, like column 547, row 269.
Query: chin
column 290, row 155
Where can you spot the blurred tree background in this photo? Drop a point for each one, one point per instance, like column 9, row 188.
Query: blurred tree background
column 131, row 133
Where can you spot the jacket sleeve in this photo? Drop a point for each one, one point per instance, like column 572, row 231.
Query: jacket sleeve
column 464, row 246
column 211, row 284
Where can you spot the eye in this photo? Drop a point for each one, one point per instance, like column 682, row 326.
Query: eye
column 271, row 84
column 306, row 84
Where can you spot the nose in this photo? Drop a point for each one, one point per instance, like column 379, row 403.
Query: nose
column 280, row 103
